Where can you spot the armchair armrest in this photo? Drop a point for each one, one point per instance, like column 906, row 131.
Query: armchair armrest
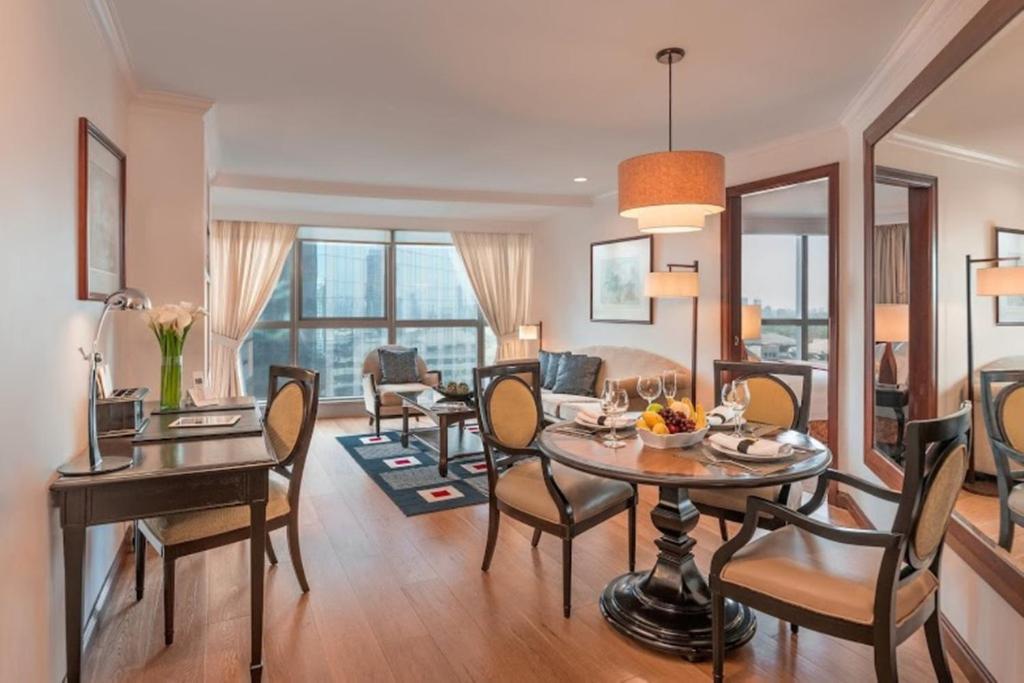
column 370, row 392
column 843, row 478
column 1014, row 456
column 432, row 378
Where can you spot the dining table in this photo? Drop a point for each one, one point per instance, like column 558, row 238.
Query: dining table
column 668, row 607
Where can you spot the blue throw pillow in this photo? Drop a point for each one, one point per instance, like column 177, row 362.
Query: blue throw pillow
column 577, row 375
column 398, row 366
column 549, row 367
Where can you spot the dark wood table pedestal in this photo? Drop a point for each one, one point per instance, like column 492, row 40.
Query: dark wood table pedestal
column 668, row 608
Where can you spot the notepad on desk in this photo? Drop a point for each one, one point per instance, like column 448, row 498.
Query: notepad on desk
column 205, row 421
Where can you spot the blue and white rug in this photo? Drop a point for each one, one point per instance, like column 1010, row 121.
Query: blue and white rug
column 408, row 475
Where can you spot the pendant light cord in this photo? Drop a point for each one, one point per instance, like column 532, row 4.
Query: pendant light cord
column 670, row 104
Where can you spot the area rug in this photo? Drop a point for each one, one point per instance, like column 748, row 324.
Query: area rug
column 408, row 475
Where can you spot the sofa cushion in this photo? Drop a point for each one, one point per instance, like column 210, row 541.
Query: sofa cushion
column 398, row 366
column 568, row 410
column 553, row 403
column 549, row 362
column 577, row 375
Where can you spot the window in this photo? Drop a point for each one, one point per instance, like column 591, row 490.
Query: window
column 355, row 290
column 789, row 279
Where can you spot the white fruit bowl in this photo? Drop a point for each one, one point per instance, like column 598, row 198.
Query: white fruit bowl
column 680, row 440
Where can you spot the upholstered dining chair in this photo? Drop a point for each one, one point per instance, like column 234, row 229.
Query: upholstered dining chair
column 872, row 587
column 1002, row 402
column 293, row 397
column 524, row 484
column 381, row 400
column 772, row 402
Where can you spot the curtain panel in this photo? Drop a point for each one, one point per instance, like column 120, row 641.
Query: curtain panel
column 499, row 268
column 246, row 259
column 892, row 261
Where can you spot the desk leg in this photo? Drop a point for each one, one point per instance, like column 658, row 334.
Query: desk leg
column 74, row 553
column 442, row 447
column 257, row 546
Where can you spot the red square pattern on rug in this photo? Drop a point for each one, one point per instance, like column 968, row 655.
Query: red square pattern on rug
column 440, row 494
column 403, row 461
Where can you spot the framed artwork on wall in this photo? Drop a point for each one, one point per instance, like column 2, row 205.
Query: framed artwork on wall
column 618, row 269
column 101, row 192
column 1010, row 243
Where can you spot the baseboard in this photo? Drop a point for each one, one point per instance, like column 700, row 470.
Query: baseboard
column 92, row 621
column 849, row 503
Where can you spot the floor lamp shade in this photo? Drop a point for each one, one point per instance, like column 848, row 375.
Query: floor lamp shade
column 672, row 191
column 529, row 332
column 750, row 321
column 672, row 285
column 1004, row 281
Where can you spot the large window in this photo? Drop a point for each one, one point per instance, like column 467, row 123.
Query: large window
column 789, row 279
column 344, row 292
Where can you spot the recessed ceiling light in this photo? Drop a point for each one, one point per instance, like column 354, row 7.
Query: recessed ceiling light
column 580, row 179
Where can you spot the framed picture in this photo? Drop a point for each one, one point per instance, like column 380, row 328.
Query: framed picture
column 101, row 190
column 618, row 269
column 1010, row 309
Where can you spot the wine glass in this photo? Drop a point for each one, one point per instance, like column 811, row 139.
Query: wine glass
column 736, row 397
column 649, row 388
column 614, row 403
column 668, row 386
column 610, row 385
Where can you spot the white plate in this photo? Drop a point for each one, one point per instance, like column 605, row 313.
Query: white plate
column 747, row 456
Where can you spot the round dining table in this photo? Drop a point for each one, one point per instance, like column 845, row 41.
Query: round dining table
column 668, row 607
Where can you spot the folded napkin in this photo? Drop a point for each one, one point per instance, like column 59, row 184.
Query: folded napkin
column 751, row 445
column 595, row 419
column 720, row 415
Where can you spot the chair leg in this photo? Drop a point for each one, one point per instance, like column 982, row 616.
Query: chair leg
column 140, row 563
column 933, row 634
column 885, row 660
column 566, row 576
column 371, row 420
column 536, row 538
column 494, row 518
column 295, row 552
column 718, row 636
column 271, row 555
column 723, row 529
column 1005, row 527
column 168, row 600
column 632, row 535
column 794, row 628
column 376, row 422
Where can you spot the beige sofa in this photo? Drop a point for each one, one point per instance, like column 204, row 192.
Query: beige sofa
column 623, row 363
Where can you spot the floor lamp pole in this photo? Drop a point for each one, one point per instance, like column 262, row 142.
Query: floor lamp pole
column 693, row 268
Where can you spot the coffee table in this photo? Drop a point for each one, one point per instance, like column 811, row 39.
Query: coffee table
column 448, row 436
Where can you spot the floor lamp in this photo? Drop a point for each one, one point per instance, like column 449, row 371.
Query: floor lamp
column 892, row 324
column 994, row 281
column 532, row 332
column 683, row 283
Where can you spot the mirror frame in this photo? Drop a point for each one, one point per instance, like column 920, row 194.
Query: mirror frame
column 980, row 552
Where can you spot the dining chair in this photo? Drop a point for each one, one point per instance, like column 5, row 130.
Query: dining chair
column 524, row 484
column 1003, row 409
column 772, row 402
column 872, row 587
column 292, row 401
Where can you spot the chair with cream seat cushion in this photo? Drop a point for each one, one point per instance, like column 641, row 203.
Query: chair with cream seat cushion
column 1002, row 401
column 772, row 402
column 293, row 397
column 522, row 481
column 381, row 401
column 873, row 587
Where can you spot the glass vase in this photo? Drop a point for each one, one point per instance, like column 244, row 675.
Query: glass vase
column 170, row 382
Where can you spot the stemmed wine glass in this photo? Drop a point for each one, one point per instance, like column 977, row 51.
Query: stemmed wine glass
column 668, row 386
column 614, row 402
column 736, row 397
column 649, row 388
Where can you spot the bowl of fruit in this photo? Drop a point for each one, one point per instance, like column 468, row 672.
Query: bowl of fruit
column 455, row 391
column 678, row 425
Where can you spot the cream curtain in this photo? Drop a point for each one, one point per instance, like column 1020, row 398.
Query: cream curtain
column 246, row 259
column 892, row 263
column 499, row 268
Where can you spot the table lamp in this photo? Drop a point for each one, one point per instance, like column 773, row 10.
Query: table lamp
column 892, row 324
column 681, row 284
column 127, row 299
column 750, row 326
column 532, row 332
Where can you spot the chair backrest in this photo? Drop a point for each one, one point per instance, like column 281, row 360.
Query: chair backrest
column 293, row 398
column 371, row 364
column 935, row 466
column 508, row 406
column 772, row 400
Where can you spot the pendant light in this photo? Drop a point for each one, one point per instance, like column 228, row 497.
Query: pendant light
column 672, row 191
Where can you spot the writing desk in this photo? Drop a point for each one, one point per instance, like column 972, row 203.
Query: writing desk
column 165, row 478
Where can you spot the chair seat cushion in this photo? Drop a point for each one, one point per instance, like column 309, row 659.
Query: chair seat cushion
column 830, row 578
column 389, row 392
column 736, row 499
column 191, row 526
column 1016, row 499
column 522, row 487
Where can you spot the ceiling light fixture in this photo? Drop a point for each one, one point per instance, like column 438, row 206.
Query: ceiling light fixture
column 580, row 179
column 672, row 191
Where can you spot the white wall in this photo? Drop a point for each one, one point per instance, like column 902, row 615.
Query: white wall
column 54, row 68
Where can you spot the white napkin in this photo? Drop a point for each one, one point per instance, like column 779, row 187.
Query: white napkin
column 595, row 419
column 720, row 415
column 751, row 445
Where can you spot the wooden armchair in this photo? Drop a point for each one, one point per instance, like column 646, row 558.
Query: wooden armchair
column 872, row 587
column 522, row 481
column 1004, row 424
column 293, row 398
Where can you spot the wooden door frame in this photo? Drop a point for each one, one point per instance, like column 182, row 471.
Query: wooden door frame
column 731, row 235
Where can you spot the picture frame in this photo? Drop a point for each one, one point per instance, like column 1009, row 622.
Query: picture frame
column 618, row 269
column 101, row 213
column 1009, row 243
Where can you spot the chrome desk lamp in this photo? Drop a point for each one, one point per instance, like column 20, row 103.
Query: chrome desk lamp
column 127, row 299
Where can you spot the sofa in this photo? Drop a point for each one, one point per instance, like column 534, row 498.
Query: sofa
column 623, row 363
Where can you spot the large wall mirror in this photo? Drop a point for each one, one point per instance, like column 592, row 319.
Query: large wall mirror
column 944, row 270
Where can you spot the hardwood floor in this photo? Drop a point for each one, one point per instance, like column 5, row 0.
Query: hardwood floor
column 403, row 599
column 983, row 513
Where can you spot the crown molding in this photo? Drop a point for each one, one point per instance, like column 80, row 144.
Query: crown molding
column 105, row 16
column 946, row 149
column 163, row 99
column 231, row 212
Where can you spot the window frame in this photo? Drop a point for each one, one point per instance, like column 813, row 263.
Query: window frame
column 390, row 322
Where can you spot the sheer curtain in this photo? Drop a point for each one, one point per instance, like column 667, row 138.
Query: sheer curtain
column 892, row 260
column 499, row 268
column 246, row 259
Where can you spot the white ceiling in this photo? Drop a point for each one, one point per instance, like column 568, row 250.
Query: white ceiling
column 501, row 96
